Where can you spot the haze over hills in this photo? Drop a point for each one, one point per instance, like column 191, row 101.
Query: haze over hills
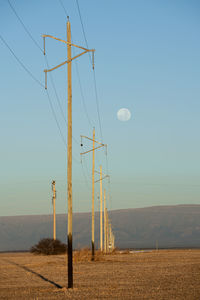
column 170, row 226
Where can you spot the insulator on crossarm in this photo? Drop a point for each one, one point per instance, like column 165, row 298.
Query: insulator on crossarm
column 44, row 45
column 45, row 79
column 93, row 60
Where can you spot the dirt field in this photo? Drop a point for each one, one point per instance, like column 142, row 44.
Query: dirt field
column 172, row 274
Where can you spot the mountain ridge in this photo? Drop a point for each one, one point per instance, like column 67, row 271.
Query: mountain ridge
column 167, row 226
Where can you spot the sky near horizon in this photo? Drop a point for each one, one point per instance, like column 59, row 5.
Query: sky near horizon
column 147, row 59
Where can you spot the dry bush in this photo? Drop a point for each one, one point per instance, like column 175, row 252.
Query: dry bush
column 49, row 246
column 85, row 254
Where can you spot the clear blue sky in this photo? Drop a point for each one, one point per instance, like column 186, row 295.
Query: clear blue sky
column 147, row 59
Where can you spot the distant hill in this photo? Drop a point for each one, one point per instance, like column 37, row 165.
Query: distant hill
column 170, row 226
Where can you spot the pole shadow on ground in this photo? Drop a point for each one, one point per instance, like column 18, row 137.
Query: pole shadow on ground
column 35, row 273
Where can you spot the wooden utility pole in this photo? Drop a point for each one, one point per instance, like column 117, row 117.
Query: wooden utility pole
column 69, row 138
column 101, row 229
column 69, row 159
column 101, row 206
column 93, row 166
column 105, row 235
column 113, row 241
column 54, row 209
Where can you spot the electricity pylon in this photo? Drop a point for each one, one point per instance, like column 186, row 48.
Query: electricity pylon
column 69, row 138
column 54, row 208
column 101, row 218
column 93, row 165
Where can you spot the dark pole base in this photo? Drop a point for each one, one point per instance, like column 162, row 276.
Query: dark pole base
column 70, row 262
column 92, row 251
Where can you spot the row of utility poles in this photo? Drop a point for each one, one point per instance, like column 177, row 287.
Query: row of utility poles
column 69, row 152
column 109, row 239
column 98, row 145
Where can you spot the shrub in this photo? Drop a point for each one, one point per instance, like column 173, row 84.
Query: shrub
column 49, row 246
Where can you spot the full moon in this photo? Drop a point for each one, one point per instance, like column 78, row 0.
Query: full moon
column 123, row 114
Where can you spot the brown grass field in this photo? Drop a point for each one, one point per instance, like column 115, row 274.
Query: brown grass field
column 163, row 274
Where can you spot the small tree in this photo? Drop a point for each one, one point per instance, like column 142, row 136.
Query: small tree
column 49, row 246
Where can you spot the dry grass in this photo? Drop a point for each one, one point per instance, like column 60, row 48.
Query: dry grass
column 172, row 274
column 84, row 255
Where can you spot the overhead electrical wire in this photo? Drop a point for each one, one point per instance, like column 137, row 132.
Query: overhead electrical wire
column 39, row 83
column 82, row 95
column 84, row 106
column 95, row 82
column 63, row 7
column 46, row 60
column 79, row 80
column 21, row 64
column 94, row 76
column 22, row 23
column 96, row 94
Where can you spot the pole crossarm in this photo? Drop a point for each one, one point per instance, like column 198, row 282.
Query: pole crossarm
column 66, row 61
column 93, row 182
column 92, row 149
column 102, row 173
column 83, row 136
column 102, row 178
column 70, row 44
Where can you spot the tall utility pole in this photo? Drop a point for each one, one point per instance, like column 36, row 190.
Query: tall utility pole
column 54, row 208
column 107, row 237
column 105, row 230
column 69, row 138
column 93, row 163
column 110, row 238
column 101, row 217
column 101, row 229
column 69, row 160
column 93, row 166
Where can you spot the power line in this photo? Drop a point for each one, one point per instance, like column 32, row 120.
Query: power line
column 21, row 64
column 79, row 80
column 96, row 94
column 85, row 177
column 94, row 76
column 63, row 7
column 82, row 95
column 27, row 31
column 54, row 114
column 57, row 98
column 55, row 91
column 79, row 12
column 37, row 45
column 97, row 103
column 37, row 81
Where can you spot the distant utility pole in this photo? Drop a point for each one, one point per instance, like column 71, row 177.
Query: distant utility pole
column 105, row 226
column 109, row 238
column 107, row 235
column 69, row 139
column 54, row 208
column 101, row 231
column 113, row 241
column 93, row 165
column 101, row 217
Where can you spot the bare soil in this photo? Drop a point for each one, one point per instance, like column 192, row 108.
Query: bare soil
column 163, row 274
